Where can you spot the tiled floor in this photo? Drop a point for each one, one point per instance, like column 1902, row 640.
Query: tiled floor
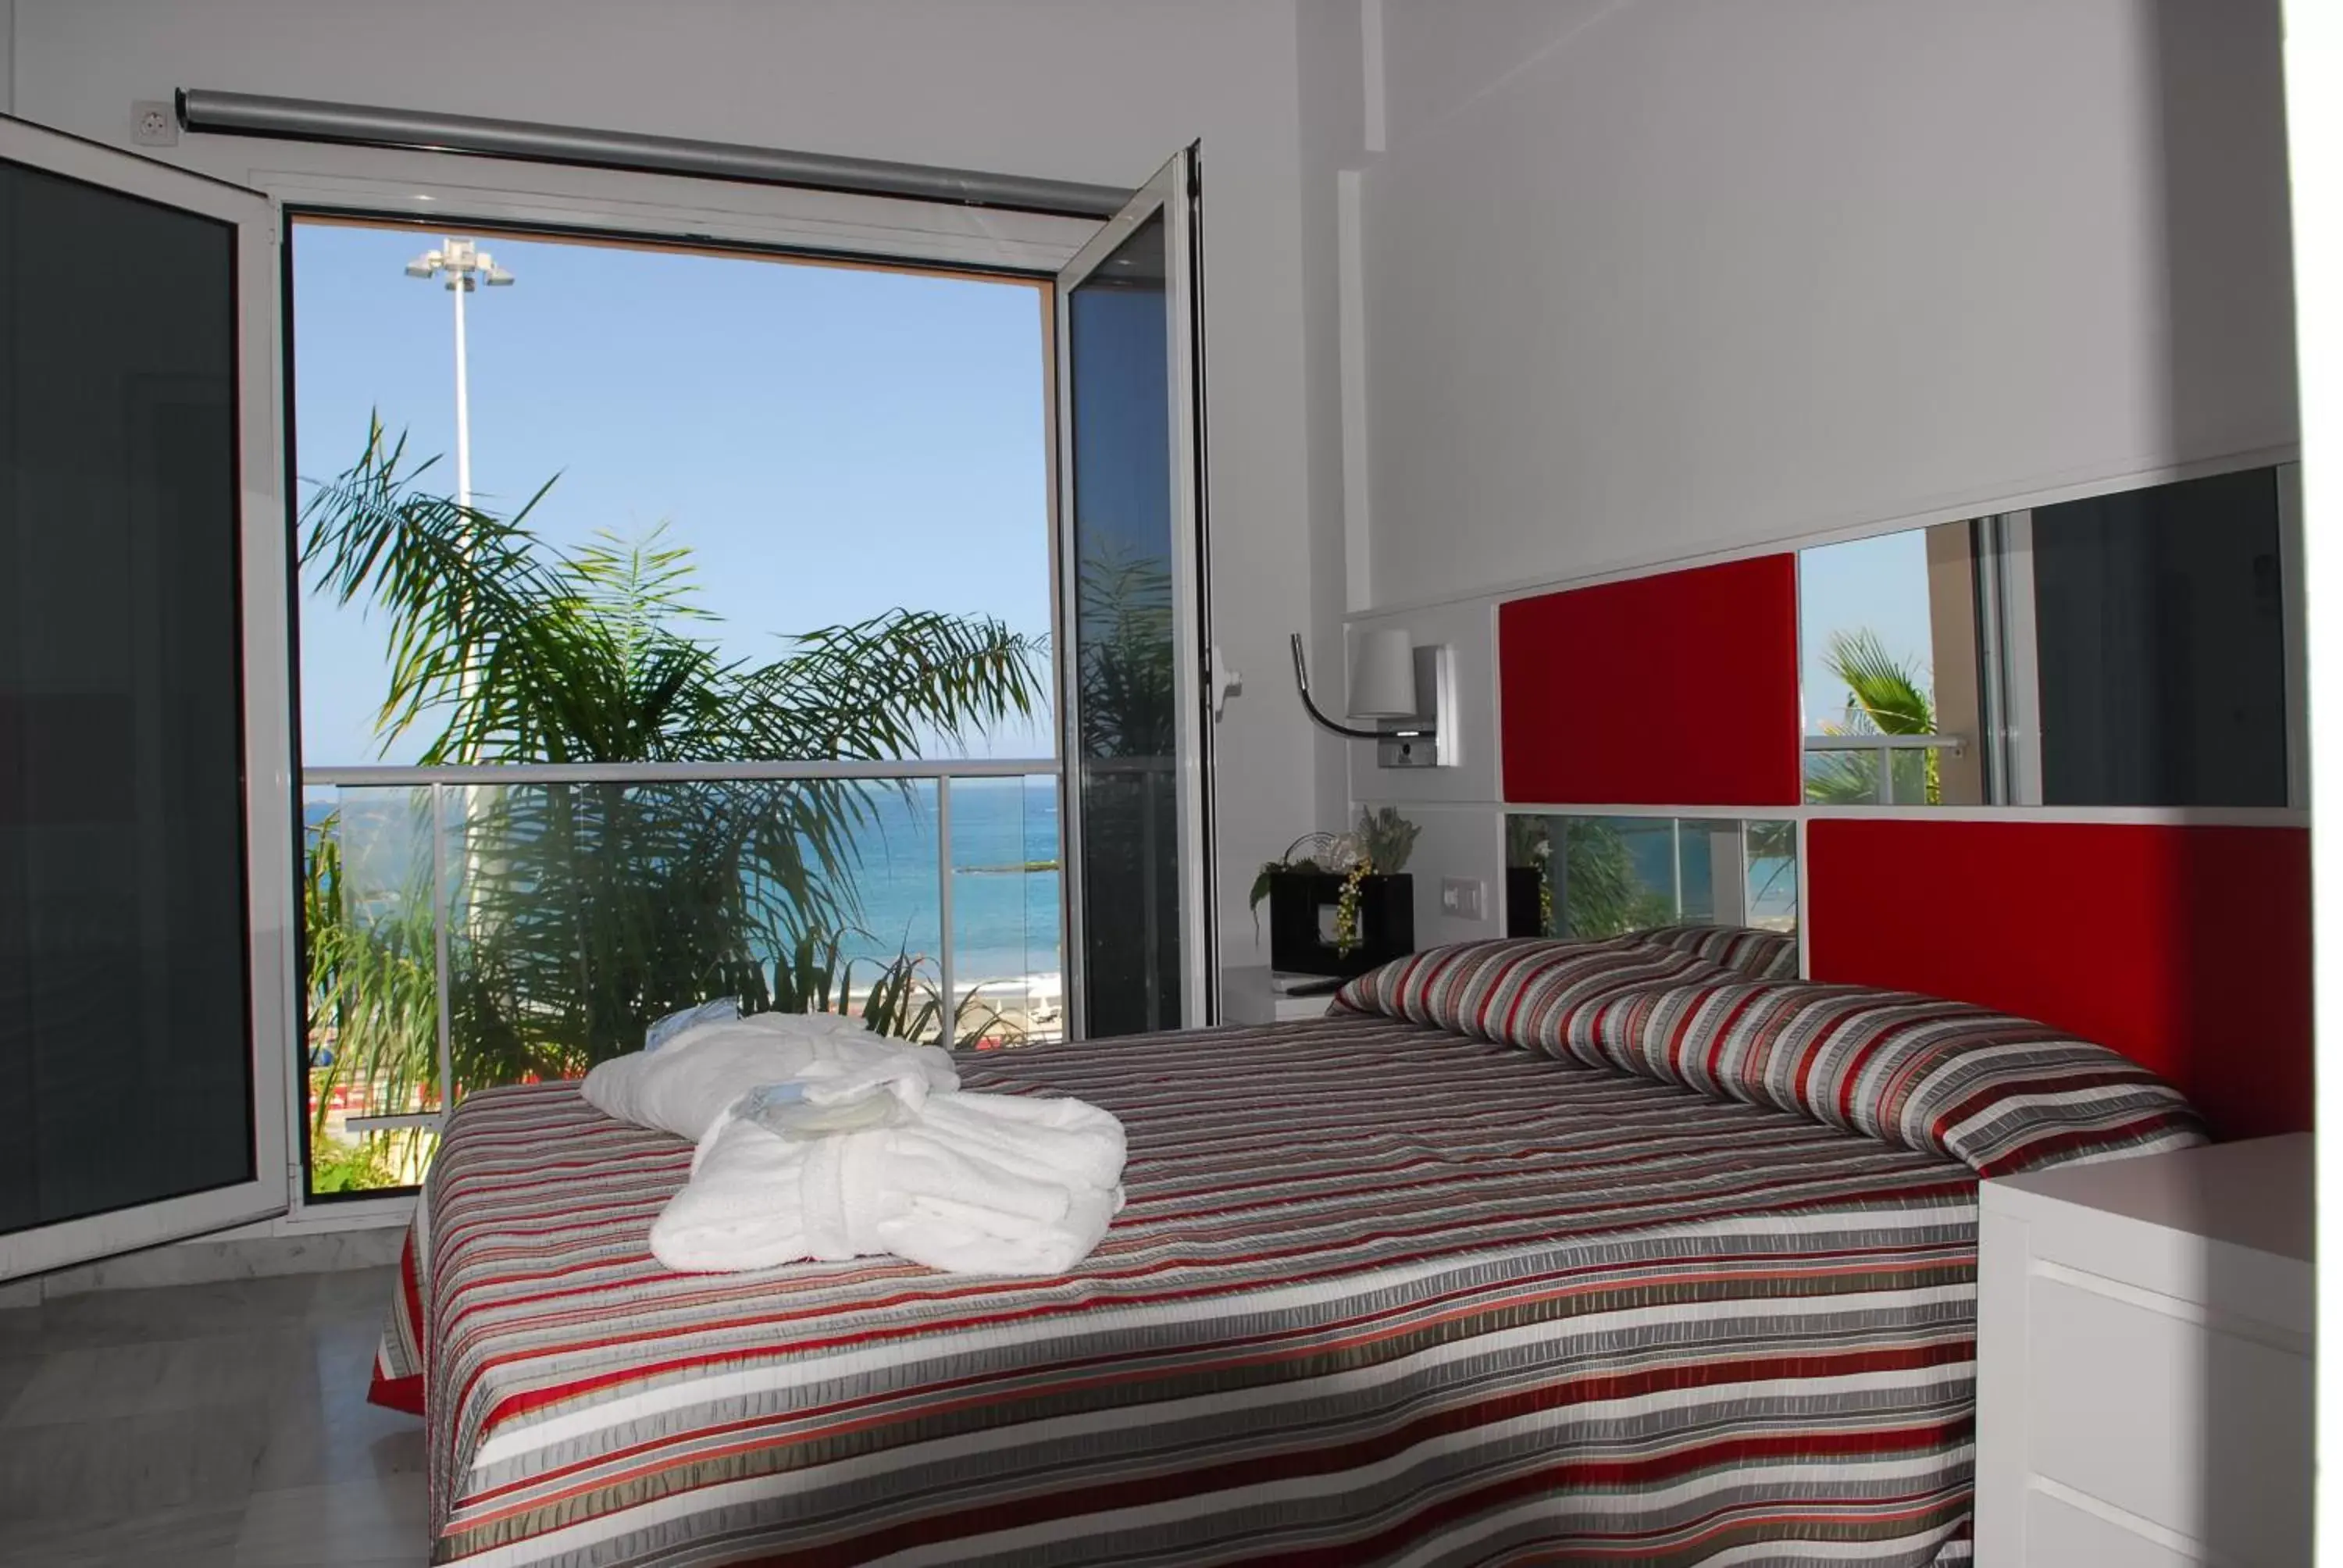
column 206, row 1426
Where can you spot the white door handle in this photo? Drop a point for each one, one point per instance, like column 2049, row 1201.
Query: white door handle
column 1223, row 681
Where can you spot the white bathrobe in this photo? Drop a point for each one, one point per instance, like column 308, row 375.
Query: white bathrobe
column 685, row 1085
column 982, row 1183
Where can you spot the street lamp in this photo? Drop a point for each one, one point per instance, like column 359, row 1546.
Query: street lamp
column 464, row 265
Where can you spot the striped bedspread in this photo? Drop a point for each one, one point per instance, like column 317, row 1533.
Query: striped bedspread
column 1381, row 1294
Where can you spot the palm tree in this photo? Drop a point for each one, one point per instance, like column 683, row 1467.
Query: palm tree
column 1884, row 697
column 587, row 911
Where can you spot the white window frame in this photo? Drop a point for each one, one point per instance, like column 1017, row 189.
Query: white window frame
column 1165, row 195
column 453, row 192
column 2009, row 647
column 445, row 188
column 271, row 900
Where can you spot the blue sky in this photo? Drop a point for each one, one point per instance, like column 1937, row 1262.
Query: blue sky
column 1881, row 583
column 830, row 442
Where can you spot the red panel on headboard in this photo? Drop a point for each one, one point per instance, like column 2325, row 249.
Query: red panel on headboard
column 2187, row 949
column 1675, row 690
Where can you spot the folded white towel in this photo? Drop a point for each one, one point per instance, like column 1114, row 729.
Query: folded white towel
column 683, row 1087
column 981, row 1183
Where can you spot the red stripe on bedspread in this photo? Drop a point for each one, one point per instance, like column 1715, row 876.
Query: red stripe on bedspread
column 395, row 1390
column 1356, row 1254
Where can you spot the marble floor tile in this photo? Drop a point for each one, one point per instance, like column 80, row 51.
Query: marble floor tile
column 384, row 1521
column 177, row 1312
column 356, row 1295
column 17, row 1369
column 313, row 1442
column 196, row 1537
column 99, row 1382
column 132, row 1463
column 206, row 1426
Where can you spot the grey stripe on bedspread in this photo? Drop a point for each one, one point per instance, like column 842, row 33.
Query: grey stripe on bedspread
column 1380, row 1293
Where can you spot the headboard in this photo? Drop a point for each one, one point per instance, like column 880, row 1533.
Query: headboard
column 2186, row 948
column 1700, row 666
column 2180, row 938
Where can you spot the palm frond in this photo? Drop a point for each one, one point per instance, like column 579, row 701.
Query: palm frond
column 585, row 911
column 1884, row 694
column 877, row 689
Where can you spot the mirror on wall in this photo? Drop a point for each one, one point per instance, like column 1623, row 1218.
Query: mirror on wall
column 2129, row 649
column 1604, row 876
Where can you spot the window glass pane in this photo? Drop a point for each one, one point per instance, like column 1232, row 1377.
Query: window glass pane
column 1005, row 870
column 1888, row 677
column 1119, row 323
column 124, row 1045
column 1614, row 874
column 1772, row 853
column 2160, row 627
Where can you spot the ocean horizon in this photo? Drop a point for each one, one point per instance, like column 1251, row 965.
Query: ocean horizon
column 1005, row 917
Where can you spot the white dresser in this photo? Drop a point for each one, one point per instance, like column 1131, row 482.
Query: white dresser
column 2144, row 1362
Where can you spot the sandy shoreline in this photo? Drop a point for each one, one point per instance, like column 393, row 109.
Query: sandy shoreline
column 1014, row 1011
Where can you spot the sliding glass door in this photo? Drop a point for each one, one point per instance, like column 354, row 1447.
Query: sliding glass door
column 145, row 811
column 1135, row 619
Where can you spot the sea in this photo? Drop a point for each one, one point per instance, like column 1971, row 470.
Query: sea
column 1004, row 876
column 1005, row 879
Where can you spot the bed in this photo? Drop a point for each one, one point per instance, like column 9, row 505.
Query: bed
column 1584, row 1253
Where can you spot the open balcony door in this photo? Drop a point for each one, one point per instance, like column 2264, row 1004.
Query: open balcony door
column 1135, row 619
column 145, row 803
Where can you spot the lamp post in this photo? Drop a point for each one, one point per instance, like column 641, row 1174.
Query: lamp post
column 464, row 265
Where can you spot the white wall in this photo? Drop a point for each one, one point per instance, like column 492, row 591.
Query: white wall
column 2314, row 48
column 1650, row 281
column 1331, row 108
column 1646, row 284
column 1100, row 91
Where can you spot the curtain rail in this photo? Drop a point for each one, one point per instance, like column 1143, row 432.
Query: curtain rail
column 203, row 109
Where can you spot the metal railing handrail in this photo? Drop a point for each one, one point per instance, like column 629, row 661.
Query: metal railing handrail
column 385, row 776
column 1883, row 747
column 1886, row 742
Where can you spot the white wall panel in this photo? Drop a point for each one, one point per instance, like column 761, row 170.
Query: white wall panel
column 1456, row 842
column 1648, row 281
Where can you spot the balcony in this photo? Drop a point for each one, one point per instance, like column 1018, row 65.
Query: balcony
column 474, row 926
column 1875, row 770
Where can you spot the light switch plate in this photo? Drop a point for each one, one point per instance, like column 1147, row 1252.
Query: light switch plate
column 1463, row 897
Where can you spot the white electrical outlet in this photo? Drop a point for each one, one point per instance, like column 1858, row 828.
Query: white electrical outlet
column 1463, row 896
column 154, row 124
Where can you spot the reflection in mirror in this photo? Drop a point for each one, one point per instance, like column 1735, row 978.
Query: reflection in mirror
column 1888, row 675
column 2120, row 651
column 1596, row 877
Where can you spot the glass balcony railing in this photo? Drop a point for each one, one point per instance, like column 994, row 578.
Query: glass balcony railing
column 468, row 927
column 1594, row 877
column 1874, row 769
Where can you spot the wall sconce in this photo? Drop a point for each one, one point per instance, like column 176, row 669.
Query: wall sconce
column 1411, row 691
